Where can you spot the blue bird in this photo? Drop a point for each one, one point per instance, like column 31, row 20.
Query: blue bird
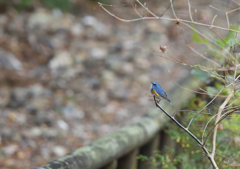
column 157, row 90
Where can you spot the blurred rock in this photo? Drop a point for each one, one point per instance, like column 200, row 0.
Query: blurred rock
column 95, row 83
column 98, row 53
column 59, row 150
column 60, row 40
column 61, row 60
column 143, row 63
column 39, row 91
column 21, row 118
column 7, row 133
column 107, row 76
column 9, row 61
column 119, row 94
column 51, row 133
column 33, row 132
column 4, row 96
column 114, row 62
column 116, row 47
column 122, row 114
column 40, row 19
column 127, row 68
column 62, row 124
column 20, row 96
column 89, row 21
column 72, row 112
column 119, row 90
column 76, row 29
column 99, row 29
column 11, row 149
column 143, row 79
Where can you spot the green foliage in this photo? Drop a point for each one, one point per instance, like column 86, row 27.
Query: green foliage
column 64, row 5
column 197, row 38
column 199, row 74
column 25, row 4
column 229, row 40
column 102, row 1
column 162, row 161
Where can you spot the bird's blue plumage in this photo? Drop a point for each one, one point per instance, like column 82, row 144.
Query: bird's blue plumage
column 157, row 90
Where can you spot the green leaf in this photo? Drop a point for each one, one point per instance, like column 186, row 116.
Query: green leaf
column 197, row 38
column 220, row 42
column 229, row 40
column 212, row 91
column 194, row 67
column 201, row 75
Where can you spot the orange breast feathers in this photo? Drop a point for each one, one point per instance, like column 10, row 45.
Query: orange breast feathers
column 154, row 91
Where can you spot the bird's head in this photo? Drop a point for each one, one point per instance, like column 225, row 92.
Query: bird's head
column 154, row 83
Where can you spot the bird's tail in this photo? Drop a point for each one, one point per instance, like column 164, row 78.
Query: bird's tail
column 170, row 102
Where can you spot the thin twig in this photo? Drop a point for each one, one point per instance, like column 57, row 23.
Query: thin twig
column 190, row 12
column 216, row 122
column 165, row 10
column 204, row 57
column 227, row 20
column 204, row 107
column 227, row 113
column 135, row 9
column 224, row 68
column 209, row 39
column 213, row 20
column 236, row 36
column 214, row 7
column 219, row 36
column 207, row 125
column 173, row 10
column 205, row 92
column 147, row 9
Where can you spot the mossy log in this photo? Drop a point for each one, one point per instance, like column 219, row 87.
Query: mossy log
column 113, row 146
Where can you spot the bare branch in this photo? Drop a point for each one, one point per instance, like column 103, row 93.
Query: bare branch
column 217, row 119
column 135, row 9
column 224, row 68
column 207, row 125
column 233, row 10
column 214, row 7
column 190, row 12
column 213, row 20
column 171, row 2
column 164, row 18
column 227, row 20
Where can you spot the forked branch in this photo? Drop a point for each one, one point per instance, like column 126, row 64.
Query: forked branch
column 210, row 157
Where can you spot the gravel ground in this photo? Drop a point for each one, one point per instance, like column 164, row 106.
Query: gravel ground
column 68, row 79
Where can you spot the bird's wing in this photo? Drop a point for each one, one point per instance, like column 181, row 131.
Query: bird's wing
column 161, row 92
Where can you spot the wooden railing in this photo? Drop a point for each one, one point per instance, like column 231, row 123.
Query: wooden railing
column 120, row 149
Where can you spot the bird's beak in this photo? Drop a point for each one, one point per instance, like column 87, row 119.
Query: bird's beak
column 152, row 82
